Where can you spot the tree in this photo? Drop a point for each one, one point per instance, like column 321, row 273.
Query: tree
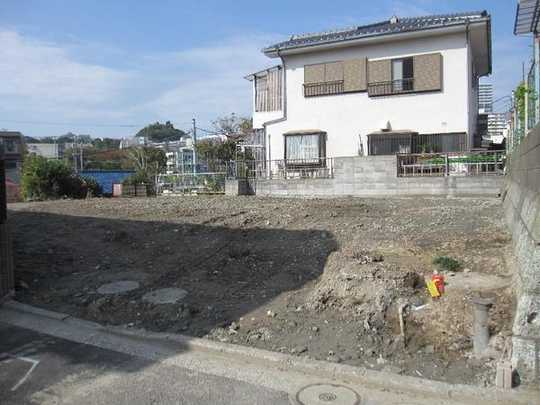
column 521, row 93
column 148, row 162
column 30, row 139
column 105, row 143
column 211, row 150
column 161, row 132
column 107, row 159
column 233, row 126
column 70, row 137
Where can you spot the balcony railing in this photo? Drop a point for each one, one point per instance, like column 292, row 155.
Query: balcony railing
column 391, row 87
column 323, row 88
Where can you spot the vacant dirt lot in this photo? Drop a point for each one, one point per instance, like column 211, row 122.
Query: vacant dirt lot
column 319, row 278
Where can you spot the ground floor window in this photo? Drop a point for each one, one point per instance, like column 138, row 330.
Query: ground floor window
column 308, row 147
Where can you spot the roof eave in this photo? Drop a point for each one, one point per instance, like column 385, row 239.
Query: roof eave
column 273, row 52
column 252, row 76
column 527, row 18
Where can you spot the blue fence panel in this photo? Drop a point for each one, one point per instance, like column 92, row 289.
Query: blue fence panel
column 106, row 178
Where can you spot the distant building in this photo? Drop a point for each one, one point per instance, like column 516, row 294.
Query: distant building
column 179, row 154
column 481, row 130
column 13, row 145
column 126, row 143
column 485, row 98
column 47, row 150
column 497, row 127
column 491, row 126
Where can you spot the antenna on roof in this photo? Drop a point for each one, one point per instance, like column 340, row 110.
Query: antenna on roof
column 394, row 19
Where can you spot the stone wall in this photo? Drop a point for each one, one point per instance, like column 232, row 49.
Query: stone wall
column 522, row 210
column 375, row 176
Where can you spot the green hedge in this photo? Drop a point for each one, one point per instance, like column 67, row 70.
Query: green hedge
column 44, row 179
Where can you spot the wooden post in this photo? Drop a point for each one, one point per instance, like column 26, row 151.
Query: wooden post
column 6, row 259
column 3, row 191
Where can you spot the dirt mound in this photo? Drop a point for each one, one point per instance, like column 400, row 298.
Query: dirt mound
column 334, row 279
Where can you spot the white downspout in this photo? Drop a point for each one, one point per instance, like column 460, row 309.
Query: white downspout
column 284, row 106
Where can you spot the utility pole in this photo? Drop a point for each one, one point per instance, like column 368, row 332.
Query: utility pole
column 81, row 154
column 526, row 113
column 194, row 146
column 74, row 153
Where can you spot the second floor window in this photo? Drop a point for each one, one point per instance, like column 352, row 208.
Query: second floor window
column 402, row 74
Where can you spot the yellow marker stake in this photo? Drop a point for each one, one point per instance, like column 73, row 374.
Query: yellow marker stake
column 432, row 288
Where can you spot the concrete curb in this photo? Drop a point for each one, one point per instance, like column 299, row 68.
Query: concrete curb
column 29, row 309
column 321, row 369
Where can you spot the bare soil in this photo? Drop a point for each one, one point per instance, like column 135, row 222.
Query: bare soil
column 323, row 278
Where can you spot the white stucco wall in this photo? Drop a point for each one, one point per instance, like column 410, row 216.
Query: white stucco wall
column 345, row 117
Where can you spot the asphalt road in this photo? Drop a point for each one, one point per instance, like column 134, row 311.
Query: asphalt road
column 41, row 369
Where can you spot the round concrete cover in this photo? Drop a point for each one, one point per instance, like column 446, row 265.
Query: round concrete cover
column 327, row 394
column 118, row 287
column 165, row 296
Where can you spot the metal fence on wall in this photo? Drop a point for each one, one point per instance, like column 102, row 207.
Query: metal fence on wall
column 451, row 164
column 6, row 255
column 316, row 168
column 208, row 179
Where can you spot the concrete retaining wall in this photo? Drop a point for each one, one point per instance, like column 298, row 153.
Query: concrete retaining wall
column 522, row 210
column 375, row 176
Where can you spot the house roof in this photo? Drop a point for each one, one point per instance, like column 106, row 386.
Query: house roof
column 527, row 17
column 262, row 73
column 4, row 134
column 392, row 26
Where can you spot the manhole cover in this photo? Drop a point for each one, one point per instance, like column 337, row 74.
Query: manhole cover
column 327, row 394
column 118, row 287
column 165, row 296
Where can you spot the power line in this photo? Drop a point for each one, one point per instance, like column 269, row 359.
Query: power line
column 71, row 124
column 208, row 131
column 74, row 124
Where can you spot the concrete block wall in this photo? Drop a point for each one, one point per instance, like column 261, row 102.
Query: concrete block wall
column 375, row 176
column 235, row 187
column 522, row 211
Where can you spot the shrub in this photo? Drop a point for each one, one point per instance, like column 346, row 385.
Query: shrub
column 93, row 188
column 447, row 263
column 48, row 179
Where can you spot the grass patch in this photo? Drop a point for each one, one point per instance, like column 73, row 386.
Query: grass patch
column 447, row 263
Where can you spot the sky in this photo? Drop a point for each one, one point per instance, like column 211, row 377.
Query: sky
column 107, row 68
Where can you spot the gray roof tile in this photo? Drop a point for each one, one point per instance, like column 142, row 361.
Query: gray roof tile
column 408, row 24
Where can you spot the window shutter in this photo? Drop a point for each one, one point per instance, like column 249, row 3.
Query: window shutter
column 380, row 71
column 428, row 72
column 333, row 71
column 314, row 73
column 354, row 75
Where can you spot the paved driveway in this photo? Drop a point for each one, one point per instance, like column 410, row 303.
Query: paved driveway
column 41, row 369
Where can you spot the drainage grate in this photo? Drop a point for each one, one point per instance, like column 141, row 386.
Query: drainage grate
column 327, row 394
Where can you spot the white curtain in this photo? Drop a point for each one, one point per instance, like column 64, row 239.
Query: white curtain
column 305, row 147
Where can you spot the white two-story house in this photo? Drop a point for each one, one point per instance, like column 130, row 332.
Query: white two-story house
column 404, row 85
